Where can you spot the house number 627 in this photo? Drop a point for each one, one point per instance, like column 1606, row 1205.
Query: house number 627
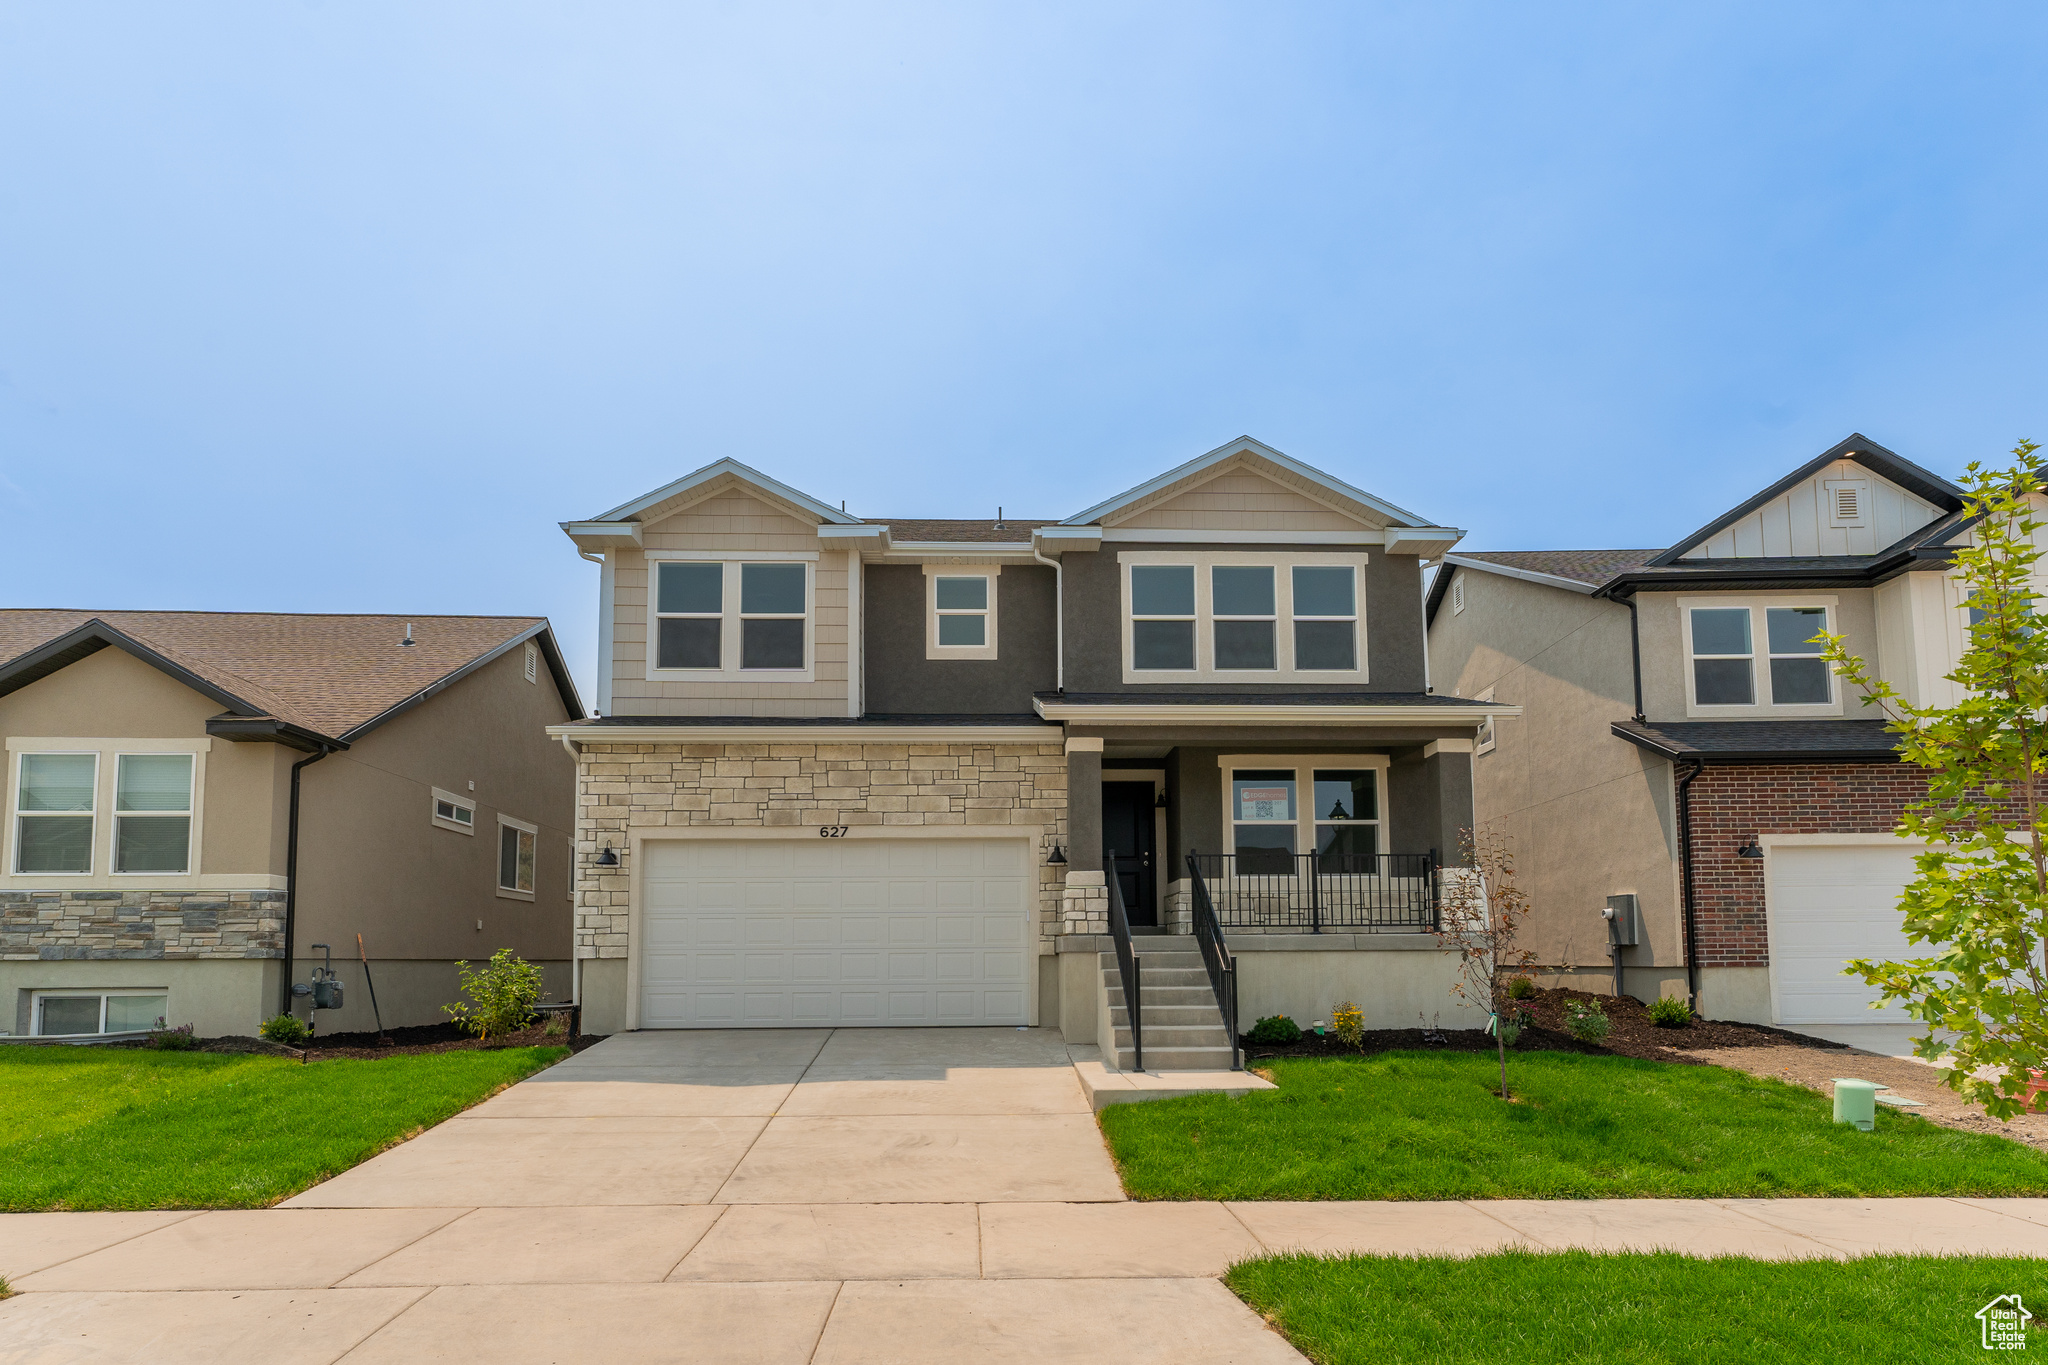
column 831, row 831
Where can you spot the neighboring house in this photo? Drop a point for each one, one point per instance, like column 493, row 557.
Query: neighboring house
column 160, row 763
column 865, row 771
column 1681, row 741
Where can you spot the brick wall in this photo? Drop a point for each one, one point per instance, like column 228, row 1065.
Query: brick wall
column 1732, row 803
column 623, row 787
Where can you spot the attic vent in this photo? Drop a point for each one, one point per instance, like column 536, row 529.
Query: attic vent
column 532, row 662
column 1457, row 595
column 1845, row 503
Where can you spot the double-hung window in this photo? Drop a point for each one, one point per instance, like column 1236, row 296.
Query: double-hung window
column 1242, row 613
column 1163, row 617
column 153, row 813
column 518, row 843
column 1725, row 656
column 1325, row 617
column 767, row 606
column 55, row 804
column 960, row 611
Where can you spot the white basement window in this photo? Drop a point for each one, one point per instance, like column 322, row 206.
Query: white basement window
column 454, row 812
column 71, row 1014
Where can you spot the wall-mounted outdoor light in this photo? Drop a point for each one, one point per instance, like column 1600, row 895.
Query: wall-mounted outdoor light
column 1160, row 804
column 1750, row 850
column 607, row 858
column 1058, row 859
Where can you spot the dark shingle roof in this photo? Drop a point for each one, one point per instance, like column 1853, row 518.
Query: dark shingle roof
column 925, row 529
column 1766, row 741
column 1591, row 567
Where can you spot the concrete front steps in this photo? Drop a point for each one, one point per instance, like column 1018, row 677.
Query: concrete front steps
column 1184, row 1030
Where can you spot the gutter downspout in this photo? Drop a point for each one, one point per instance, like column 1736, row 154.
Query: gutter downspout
column 1635, row 655
column 575, row 958
column 291, row 880
column 1685, row 888
column 1059, row 618
column 1427, row 688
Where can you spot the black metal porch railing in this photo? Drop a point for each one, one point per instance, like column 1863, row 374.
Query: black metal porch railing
column 1354, row 893
column 1222, row 967
column 1127, row 965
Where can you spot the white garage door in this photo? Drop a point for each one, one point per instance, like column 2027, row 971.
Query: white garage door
column 801, row 932
column 1827, row 905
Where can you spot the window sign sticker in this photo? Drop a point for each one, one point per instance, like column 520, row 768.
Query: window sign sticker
column 1262, row 803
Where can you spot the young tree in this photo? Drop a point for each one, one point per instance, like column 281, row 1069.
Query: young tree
column 1980, row 898
column 1482, row 911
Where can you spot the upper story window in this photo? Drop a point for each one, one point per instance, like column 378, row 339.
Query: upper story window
column 960, row 611
column 731, row 616
column 518, row 845
column 454, row 812
column 1734, row 663
column 1238, row 617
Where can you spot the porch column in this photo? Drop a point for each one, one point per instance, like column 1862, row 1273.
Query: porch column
column 1085, row 899
column 1447, row 775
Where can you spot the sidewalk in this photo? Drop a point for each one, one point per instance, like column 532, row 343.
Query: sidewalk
column 773, row 1283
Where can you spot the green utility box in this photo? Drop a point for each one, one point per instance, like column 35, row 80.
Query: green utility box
column 1856, row 1102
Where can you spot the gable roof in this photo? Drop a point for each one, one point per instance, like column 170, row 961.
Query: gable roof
column 328, row 677
column 1258, row 451
column 629, row 511
column 1924, row 484
column 1585, row 571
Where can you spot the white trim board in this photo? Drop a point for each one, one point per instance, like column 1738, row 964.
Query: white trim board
column 683, row 732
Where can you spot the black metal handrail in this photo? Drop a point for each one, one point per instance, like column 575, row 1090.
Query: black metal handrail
column 1127, row 964
column 1282, row 892
column 1222, row 967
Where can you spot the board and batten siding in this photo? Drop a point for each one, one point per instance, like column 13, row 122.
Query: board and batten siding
column 729, row 522
column 1795, row 523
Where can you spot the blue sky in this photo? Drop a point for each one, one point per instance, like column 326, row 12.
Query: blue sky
column 342, row 306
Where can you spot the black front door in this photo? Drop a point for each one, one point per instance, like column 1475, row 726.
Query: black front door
column 1127, row 825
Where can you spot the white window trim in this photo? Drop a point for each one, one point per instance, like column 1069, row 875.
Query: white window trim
column 498, row 852
column 103, row 877
column 36, row 998
column 1487, row 736
column 191, row 814
column 466, row 803
column 1304, row 821
column 729, row 669
column 932, row 574
column 1283, row 593
column 1760, row 656
column 15, row 814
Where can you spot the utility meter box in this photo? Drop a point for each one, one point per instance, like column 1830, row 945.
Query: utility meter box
column 1624, row 925
column 327, row 994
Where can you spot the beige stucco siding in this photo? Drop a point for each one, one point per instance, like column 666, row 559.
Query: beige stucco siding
column 373, row 862
column 734, row 523
column 113, row 695
column 1590, row 814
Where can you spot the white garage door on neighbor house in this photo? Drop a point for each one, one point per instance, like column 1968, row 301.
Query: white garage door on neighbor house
column 807, row 932
column 1827, row 904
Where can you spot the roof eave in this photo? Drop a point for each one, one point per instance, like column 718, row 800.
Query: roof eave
column 1223, row 452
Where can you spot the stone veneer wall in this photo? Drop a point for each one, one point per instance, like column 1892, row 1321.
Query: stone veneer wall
column 64, row 926
column 622, row 787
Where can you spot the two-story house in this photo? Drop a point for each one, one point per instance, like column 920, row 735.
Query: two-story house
column 857, row 770
column 1681, row 741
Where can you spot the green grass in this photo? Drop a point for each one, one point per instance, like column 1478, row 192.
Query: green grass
column 1425, row 1125
column 93, row 1128
column 1529, row 1308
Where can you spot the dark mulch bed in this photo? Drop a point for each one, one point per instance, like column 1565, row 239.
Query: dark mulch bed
column 446, row 1037
column 1632, row 1035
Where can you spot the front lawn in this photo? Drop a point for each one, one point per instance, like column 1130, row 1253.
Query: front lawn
column 1529, row 1308
column 1425, row 1125
column 98, row 1128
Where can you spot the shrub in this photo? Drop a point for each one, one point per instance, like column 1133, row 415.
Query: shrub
column 1275, row 1028
column 1670, row 1011
column 1511, row 1025
column 287, row 1029
column 1586, row 1021
column 1521, row 988
column 177, row 1039
column 501, row 995
column 1347, row 1021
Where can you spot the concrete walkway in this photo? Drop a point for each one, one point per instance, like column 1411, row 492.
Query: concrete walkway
column 850, row 1196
